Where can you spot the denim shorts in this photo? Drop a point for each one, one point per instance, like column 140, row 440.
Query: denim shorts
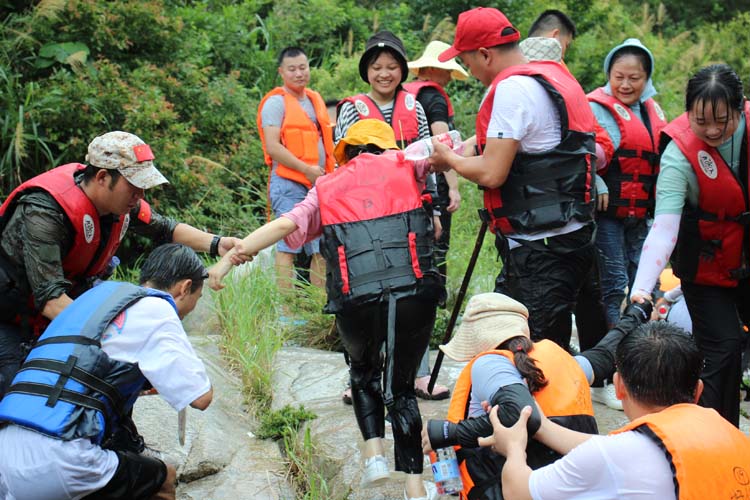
column 284, row 194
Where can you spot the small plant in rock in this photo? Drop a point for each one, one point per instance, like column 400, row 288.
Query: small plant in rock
column 280, row 423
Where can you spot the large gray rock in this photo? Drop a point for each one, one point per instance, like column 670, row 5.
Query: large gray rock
column 221, row 458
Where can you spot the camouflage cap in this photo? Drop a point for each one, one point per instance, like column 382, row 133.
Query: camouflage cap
column 127, row 154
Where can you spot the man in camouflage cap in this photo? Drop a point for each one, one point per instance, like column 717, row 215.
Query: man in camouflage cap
column 59, row 232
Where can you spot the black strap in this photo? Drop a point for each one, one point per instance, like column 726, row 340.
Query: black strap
column 65, row 395
column 625, row 202
column 550, row 173
column 65, row 371
column 390, row 350
column 381, row 275
column 91, row 381
column 514, row 206
column 69, row 339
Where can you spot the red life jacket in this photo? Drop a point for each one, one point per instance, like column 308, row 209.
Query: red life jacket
column 377, row 237
column 545, row 190
column 403, row 120
column 566, row 399
column 414, row 87
column 713, row 243
column 631, row 174
column 709, row 457
column 87, row 256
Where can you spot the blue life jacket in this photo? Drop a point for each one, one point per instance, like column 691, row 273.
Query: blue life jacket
column 68, row 388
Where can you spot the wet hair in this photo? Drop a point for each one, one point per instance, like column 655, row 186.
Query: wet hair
column 289, row 52
column 659, row 364
column 170, row 263
column 520, row 347
column 715, row 84
column 639, row 54
column 553, row 19
column 351, row 151
column 90, row 172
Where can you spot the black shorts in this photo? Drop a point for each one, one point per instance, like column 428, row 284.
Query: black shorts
column 137, row 477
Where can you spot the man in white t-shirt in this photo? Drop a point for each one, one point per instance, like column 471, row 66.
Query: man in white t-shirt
column 66, row 444
column 537, row 146
column 672, row 448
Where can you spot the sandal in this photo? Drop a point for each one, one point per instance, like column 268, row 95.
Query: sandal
column 439, row 392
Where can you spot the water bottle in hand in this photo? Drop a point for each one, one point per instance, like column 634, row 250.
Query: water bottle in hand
column 445, row 471
column 422, row 149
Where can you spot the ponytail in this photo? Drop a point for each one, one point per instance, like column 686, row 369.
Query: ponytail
column 526, row 365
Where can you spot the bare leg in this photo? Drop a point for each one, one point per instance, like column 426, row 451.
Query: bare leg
column 284, row 270
column 318, row 271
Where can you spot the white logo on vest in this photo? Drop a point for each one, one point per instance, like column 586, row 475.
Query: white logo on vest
column 88, row 228
column 125, row 224
column 410, row 102
column 708, row 166
column 622, row 111
column 362, row 108
column 659, row 112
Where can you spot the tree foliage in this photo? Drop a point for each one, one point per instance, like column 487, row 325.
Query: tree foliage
column 187, row 76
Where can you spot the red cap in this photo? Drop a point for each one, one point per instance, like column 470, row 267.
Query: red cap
column 480, row 27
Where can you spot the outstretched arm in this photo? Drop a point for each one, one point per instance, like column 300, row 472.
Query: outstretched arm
column 247, row 248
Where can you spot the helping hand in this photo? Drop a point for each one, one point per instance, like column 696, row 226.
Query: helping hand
column 440, row 156
column 426, row 445
column 226, row 243
column 504, row 438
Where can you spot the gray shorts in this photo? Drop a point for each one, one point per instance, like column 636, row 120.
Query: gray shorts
column 284, row 194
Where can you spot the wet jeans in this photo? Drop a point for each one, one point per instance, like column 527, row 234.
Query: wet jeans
column 363, row 332
column 619, row 242
column 12, row 354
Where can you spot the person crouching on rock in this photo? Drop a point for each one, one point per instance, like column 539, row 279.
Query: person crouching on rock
column 381, row 280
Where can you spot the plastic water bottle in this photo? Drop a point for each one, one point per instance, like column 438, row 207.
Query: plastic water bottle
column 445, row 471
column 422, row 149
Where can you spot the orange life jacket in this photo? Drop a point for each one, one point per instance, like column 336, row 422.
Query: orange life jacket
column 709, row 457
column 300, row 135
column 566, row 398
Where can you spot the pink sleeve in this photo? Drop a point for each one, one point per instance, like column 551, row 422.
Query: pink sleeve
column 306, row 215
column 421, row 171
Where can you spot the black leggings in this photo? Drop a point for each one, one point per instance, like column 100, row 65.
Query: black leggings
column 363, row 333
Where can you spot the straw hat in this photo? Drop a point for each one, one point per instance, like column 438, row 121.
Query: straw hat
column 489, row 320
column 429, row 59
column 369, row 131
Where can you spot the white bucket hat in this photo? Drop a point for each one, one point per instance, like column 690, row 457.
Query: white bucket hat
column 489, row 320
column 429, row 59
column 127, row 154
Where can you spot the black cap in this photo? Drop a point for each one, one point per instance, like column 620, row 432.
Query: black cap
column 378, row 41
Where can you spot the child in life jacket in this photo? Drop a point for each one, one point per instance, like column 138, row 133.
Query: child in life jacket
column 381, row 280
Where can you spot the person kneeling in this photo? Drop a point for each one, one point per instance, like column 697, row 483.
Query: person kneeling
column 74, row 393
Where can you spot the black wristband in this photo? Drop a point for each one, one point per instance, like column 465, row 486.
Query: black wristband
column 442, row 433
column 213, row 250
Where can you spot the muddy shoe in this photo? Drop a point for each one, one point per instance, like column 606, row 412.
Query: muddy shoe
column 438, row 392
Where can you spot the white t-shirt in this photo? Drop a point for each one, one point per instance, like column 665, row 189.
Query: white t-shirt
column 150, row 333
column 628, row 466
column 524, row 111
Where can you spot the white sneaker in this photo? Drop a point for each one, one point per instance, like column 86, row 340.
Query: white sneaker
column 606, row 396
column 376, row 471
column 431, row 489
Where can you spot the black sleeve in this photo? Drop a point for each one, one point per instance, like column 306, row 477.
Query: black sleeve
column 511, row 399
column 602, row 355
column 159, row 228
column 434, row 104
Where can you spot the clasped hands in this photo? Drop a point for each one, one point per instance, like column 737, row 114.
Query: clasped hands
column 239, row 254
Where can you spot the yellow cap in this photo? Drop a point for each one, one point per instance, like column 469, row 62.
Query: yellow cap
column 370, row 131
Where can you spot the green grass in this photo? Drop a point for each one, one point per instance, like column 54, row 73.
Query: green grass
column 247, row 310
